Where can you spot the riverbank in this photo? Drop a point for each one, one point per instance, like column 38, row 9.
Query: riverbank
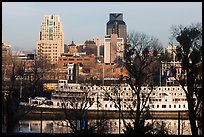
column 37, row 113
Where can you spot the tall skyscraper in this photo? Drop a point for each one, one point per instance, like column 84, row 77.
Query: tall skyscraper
column 51, row 42
column 115, row 39
column 116, row 25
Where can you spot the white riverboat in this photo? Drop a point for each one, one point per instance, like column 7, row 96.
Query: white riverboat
column 80, row 96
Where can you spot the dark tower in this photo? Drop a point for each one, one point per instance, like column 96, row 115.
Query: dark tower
column 116, row 25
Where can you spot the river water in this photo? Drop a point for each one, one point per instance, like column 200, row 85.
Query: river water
column 112, row 126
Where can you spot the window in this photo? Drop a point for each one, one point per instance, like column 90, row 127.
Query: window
column 169, row 106
column 163, row 106
column 174, row 106
column 157, row 106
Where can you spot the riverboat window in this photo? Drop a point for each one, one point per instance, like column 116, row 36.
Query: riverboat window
column 163, row 106
column 181, row 94
column 157, row 106
column 124, row 106
column 159, row 89
column 175, row 94
column 144, row 88
column 152, row 106
column 179, row 106
column 159, row 99
column 165, row 99
column 184, row 106
column 172, row 88
column 127, row 94
column 168, row 89
column 105, row 105
column 35, row 102
column 49, row 103
column 178, row 88
column 169, row 106
column 174, row 106
column 105, row 99
column 110, row 106
column 164, row 88
column 62, row 104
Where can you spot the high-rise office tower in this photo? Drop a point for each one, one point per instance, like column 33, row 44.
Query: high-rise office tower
column 116, row 25
column 51, row 43
column 115, row 39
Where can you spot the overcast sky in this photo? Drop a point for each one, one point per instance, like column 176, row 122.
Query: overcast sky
column 21, row 21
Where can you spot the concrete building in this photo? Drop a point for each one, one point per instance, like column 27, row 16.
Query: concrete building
column 65, row 60
column 113, row 49
column 99, row 43
column 51, row 41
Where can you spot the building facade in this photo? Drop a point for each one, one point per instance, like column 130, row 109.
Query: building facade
column 113, row 49
column 51, row 41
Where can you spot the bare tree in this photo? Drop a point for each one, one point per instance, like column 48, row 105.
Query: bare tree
column 189, row 52
column 35, row 74
column 76, row 104
column 141, row 61
column 16, row 86
column 12, row 71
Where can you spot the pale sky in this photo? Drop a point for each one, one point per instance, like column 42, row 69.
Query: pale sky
column 21, row 21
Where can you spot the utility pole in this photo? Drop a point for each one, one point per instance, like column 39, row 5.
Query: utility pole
column 119, row 112
column 41, row 120
column 178, row 122
column 97, row 113
column 103, row 74
column 21, row 87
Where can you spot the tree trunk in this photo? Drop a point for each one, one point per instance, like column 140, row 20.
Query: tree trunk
column 192, row 116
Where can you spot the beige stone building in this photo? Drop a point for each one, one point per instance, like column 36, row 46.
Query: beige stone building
column 51, row 42
column 113, row 49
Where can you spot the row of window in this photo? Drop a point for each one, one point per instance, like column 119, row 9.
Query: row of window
column 169, row 106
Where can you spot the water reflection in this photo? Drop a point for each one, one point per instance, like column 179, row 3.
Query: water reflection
column 111, row 126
